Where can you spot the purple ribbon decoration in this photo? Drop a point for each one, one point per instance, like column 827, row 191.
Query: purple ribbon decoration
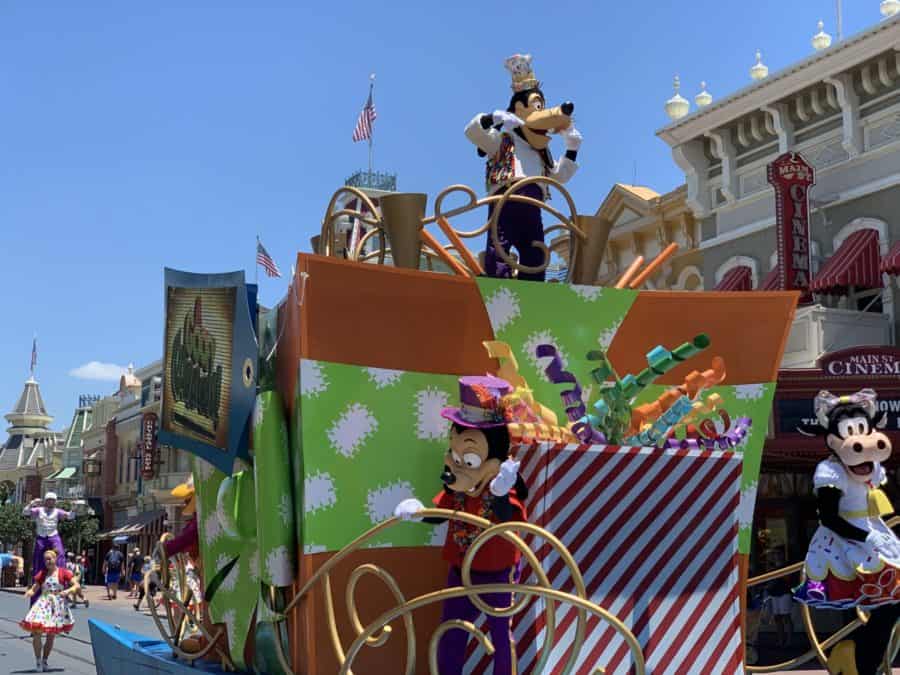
column 571, row 398
column 730, row 439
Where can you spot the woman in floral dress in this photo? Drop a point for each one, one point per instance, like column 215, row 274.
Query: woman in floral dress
column 50, row 614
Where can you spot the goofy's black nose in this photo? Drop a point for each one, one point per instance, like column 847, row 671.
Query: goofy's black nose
column 447, row 477
column 567, row 108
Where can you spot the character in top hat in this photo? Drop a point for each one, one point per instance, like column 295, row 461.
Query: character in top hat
column 854, row 557
column 479, row 478
column 516, row 142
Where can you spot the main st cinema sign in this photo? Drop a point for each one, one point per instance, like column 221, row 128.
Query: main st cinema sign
column 862, row 361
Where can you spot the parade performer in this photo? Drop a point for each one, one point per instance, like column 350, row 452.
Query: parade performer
column 50, row 614
column 47, row 519
column 479, row 478
column 516, row 142
column 854, row 557
column 188, row 540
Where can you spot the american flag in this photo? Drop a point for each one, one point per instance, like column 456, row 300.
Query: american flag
column 363, row 130
column 33, row 354
column 263, row 258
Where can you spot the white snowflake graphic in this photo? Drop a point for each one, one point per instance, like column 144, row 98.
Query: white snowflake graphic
column 229, row 618
column 384, row 377
column 502, row 308
column 430, row 426
column 312, row 378
column 212, row 528
column 588, row 293
column 544, row 337
column 278, row 566
column 314, row 548
column 259, row 411
column 749, row 392
column 254, row 565
column 204, row 469
column 285, row 510
column 231, row 579
column 381, row 501
column 318, row 492
column 606, row 337
column 746, row 505
column 351, row 430
column 439, row 534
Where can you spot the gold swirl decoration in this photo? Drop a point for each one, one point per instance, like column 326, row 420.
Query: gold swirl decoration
column 817, row 647
column 433, row 250
column 176, row 592
column 379, row 631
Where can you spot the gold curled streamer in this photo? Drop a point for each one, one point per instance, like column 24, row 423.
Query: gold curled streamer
column 326, row 237
column 549, row 595
column 547, row 426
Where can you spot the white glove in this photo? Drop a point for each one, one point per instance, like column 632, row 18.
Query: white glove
column 505, row 480
column 408, row 508
column 572, row 137
column 878, row 540
column 507, row 120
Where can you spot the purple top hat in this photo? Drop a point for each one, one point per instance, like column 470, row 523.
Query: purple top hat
column 479, row 398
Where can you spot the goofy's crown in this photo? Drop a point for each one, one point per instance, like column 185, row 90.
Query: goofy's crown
column 519, row 66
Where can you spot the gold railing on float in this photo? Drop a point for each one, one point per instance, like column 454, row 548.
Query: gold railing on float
column 401, row 224
column 378, row 632
column 818, row 648
column 178, row 619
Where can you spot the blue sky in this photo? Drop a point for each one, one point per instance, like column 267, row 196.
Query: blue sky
column 171, row 134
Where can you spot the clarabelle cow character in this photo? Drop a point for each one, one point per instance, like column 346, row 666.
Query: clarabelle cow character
column 854, row 557
column 516, row 142
column 479, row 478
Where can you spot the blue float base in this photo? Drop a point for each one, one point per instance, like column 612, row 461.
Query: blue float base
column 119, row 652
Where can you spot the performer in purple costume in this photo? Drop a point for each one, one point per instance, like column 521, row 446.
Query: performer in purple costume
column 46, row 519
column 516, row 143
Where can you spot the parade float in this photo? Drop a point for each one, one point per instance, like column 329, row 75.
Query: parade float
column 635, row 420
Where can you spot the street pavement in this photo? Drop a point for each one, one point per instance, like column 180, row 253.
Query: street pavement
column 71, row 653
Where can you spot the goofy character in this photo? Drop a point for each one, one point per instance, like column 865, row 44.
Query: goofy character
column 854, row 557
column 516, row 143
column 479, row 478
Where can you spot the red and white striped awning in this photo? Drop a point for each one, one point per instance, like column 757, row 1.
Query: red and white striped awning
column 855, row 263
column 770, row 281
column 890, row 264
column 738, row 278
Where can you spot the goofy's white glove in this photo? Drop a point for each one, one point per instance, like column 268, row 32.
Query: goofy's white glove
column 507, row 120
column 505, row 480
column 408, row 509
column 571, row 137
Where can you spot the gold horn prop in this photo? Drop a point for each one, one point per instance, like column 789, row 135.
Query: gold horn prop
column 403, row 213
column 588, row 254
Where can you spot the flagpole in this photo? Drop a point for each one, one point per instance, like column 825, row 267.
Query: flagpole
column 372, row 130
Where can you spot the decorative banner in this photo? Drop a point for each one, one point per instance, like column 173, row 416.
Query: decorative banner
column 149, row 447
column 792, row 176
column 209, row 366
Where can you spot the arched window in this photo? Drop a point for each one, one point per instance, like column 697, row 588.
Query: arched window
column 689, row 279
column 739, row 261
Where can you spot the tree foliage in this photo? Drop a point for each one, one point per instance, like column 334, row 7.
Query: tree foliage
column 84, row 525
column 14, row 527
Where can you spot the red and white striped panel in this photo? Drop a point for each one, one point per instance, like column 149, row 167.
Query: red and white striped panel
column 654, row 533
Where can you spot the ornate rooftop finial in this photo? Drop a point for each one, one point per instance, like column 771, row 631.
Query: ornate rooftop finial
column 822, row 40
column 760, row 71
column 704, row 98
column 889, row 8
column 677, row 106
